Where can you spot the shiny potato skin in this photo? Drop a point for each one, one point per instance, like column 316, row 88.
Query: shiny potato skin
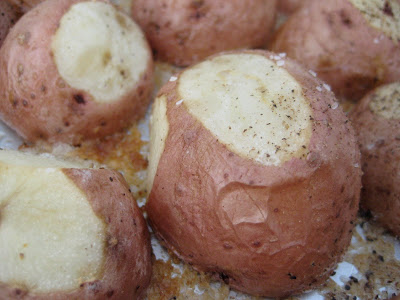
column 39, row 105
column 127, row 266
column 325, row 36
column 301, row 213
column 183, row 32
column 379, row 141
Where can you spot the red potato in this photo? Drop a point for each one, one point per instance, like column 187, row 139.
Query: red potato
column 353, row 45
column 376, row 120
column 73, row 70
column 184, row 32
column 254, row 173
column 289, row 6
column 8, row 17
column 24, row 5
column 69, row 232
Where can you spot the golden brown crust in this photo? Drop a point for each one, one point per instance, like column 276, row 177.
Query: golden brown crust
column 185, row 32
column 35, row 100
column 325, row 36
column 127, row 267
column 8, row 17
column 265, row 230
column 379, row 141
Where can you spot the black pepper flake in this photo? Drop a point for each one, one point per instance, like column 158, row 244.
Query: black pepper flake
column 380, row 257
column 388, row 10
column 292, row 277
column 347, row 287
column 111, row 179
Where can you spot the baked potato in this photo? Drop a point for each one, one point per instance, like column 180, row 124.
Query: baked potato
column 74, row 70
column 23, row 5
column 184, row 32
column 353, row 45
column 254, row 173
column 289, row 6
column 8, row 17
column 69, row 231
column 376, row 121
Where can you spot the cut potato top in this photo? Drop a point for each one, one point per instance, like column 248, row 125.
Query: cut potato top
column 100, row 50
column 385, row 101
column 253, row 106
column 60, row 240
column 382, row 15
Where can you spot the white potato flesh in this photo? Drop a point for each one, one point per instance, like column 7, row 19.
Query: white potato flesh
column 100, row 50
column 50, row 238
column 124, row 5
column 254, row 107
column 46, row 160
column 158, row 134
column 382, row 15
column 386, row 101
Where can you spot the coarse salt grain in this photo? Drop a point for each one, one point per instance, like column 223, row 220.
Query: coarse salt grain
column 280, row 63
column 356, row 165
column 335, row 105
column 319, row 89
column 179, row 102
column 312, row 73
column 327, row 87
column 282, row 55
column 173, row 78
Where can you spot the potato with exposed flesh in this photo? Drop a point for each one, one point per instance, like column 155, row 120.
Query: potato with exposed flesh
column 376, row 121
column 253, row 173
column 74, row 70
column 69, row 232
column 352, row 44
column 184, row 32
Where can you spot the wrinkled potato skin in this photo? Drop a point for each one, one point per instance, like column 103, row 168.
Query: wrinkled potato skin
column 127, row 266
column 381, row 164
column 24, row 5
column 184, row 32
column 8, row 17
column 308, row 205
column 38, row 104
column 333, row 39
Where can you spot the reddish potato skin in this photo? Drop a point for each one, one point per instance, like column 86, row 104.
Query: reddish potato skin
column 184, row 32
column 381, row 164
column 308, row 205
column 127, row 266
column 289, row 6
column 24, row 5
column 325, row 36
column 38, row 104
column 8, row 17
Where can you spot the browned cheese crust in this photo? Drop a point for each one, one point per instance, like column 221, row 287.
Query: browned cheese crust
column 334, row 39
column 127, row 266
column 299, row 215
column 39, row 104
column 8, row 17
column 185, row 32
column 379, row 140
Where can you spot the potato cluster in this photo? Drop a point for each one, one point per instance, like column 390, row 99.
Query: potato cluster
column 254, row 170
